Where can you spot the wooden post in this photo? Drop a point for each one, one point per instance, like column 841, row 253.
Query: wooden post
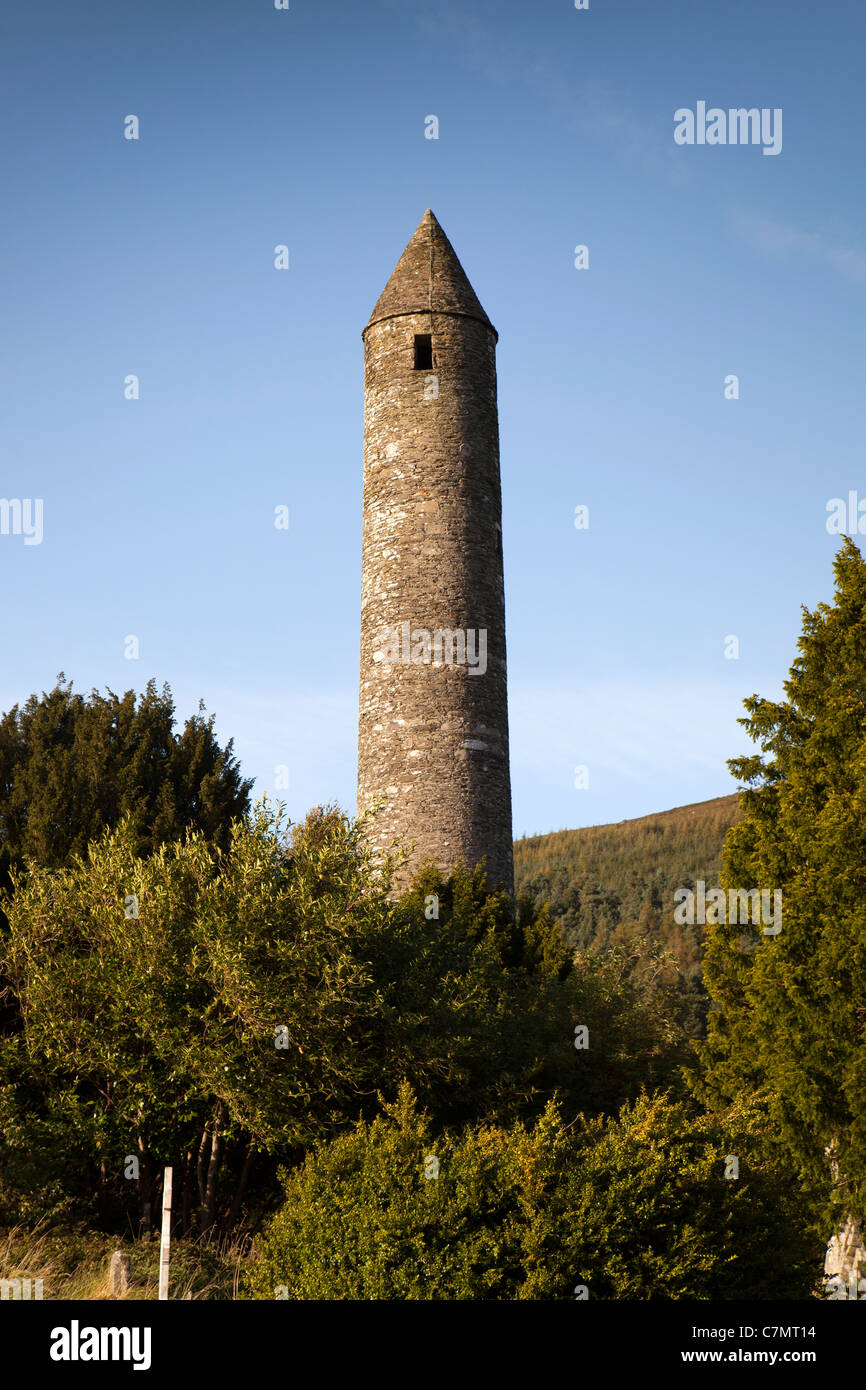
column 165, row 1238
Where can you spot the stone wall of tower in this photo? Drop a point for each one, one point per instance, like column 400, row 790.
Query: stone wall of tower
column 433, row 738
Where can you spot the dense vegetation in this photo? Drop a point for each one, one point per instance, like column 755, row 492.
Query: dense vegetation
column 789, row 1022
column 207, row 1007
column 460, row 1099
column 72, row 766
column 614, row 885
column 638, row 1207
column 601, row 881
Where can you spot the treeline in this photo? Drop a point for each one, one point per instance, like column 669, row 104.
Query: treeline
column 188, row 982
column 444, row 1094
column 613, row 886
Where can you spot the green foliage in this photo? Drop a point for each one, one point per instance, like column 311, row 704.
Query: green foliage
column 71, row 767
column 526, row 936
column 790, row 1016
column 627, row 998
column 156, row 1035
column 637, row 1207
column 613, row 886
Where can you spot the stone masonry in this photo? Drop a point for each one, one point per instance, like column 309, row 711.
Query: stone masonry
column 433, row 726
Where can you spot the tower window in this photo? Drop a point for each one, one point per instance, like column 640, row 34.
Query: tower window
column 423, row 352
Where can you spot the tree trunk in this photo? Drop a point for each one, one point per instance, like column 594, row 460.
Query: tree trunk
column 199, row 1171
column 213, row 1169
column 241, row 1189
column 187, row 1192
column 145, row 1187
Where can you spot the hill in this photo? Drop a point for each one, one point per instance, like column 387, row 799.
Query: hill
column 614, row 884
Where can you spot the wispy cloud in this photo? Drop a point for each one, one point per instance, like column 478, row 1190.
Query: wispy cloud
column 648, row 743
column 783, row 241
column 636, row 729
column 582, row 106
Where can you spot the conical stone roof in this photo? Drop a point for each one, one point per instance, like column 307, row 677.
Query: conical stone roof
column 428, row 277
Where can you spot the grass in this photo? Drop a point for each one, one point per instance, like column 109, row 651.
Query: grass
column 74, row 1263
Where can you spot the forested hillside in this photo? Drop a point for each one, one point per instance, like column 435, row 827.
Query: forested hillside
column 612, row 884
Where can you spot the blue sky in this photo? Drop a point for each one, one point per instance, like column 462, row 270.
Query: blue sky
column 306, row 128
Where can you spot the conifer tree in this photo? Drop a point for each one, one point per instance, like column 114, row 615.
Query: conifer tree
column 788, row 1019
column 72, row 767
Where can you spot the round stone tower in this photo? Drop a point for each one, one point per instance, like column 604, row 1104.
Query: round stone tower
column 433, row 727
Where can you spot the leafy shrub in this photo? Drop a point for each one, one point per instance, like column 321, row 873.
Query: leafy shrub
column 638, row 1207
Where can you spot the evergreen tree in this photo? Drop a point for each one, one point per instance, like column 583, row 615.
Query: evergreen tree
column 634, row 1207
column 72, row 767
column 788, row 1020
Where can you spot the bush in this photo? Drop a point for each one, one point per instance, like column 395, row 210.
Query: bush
column 259, row 1000
column 638, row 1207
